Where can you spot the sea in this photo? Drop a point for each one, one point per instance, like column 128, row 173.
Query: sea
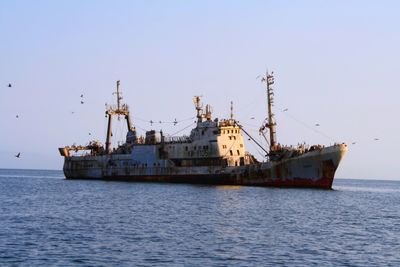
column 46, row 220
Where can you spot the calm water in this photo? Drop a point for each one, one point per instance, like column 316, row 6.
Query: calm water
column 46, row 220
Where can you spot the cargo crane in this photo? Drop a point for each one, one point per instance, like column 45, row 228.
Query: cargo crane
column 123, row 110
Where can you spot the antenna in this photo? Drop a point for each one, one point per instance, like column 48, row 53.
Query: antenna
column 231, row 110
column 118, row 95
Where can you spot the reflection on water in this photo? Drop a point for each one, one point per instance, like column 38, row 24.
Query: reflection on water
column 229, row 187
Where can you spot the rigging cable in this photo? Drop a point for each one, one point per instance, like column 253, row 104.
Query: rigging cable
column 258, row 150
column 306, row 125
column 140, row 128
column 230, row 148
column 241, row 127
column 170, row 122
column 184, row 128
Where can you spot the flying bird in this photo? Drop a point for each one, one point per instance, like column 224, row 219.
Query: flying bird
column 9, row 85
column 82, row 102
column 354, row 143
column 376, row 139
column 252, row 118
column 72, row 112
column 286, row 109
column 81, row 95
column 17, row 116
column 18, row 155
column 90, row 134
column 317, row 124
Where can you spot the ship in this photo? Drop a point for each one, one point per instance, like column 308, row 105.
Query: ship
column 214, row 153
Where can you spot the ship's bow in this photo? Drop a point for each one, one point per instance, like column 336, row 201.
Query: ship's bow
column 314, row 169
column 330, row 160
column 318, row 168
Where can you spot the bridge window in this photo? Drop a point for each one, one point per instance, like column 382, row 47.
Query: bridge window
column 231, row 152
column 238, row 152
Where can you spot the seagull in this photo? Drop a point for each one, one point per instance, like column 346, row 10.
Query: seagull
column 90, row 134
column 82, row 102
column 354, row 143
column 376, row 139
column 252, row 118
column 18, row 155
column 81, row 95
column 286, row 109
column 9, row 85
column 317, row 124
column 72, row 112
column 17, row 116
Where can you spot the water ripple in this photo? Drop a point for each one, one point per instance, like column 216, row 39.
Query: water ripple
column 47, row 220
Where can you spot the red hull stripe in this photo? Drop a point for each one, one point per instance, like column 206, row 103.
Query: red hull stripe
column 323, row 183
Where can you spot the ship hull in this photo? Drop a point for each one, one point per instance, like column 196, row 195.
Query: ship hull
column 212, row 179
column 314, row 169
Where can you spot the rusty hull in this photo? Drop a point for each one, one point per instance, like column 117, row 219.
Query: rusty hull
column 314, row 169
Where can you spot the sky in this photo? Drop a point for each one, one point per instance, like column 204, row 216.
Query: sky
column 336, row 64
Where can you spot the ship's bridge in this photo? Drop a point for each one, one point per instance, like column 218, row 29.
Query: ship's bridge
column 212, row 142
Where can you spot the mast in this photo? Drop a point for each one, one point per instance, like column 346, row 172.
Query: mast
column 120, row 109
column 108, row 140
column 199, row 108
column 268, row 80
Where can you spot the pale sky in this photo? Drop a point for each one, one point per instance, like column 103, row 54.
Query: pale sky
column 336, row 64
